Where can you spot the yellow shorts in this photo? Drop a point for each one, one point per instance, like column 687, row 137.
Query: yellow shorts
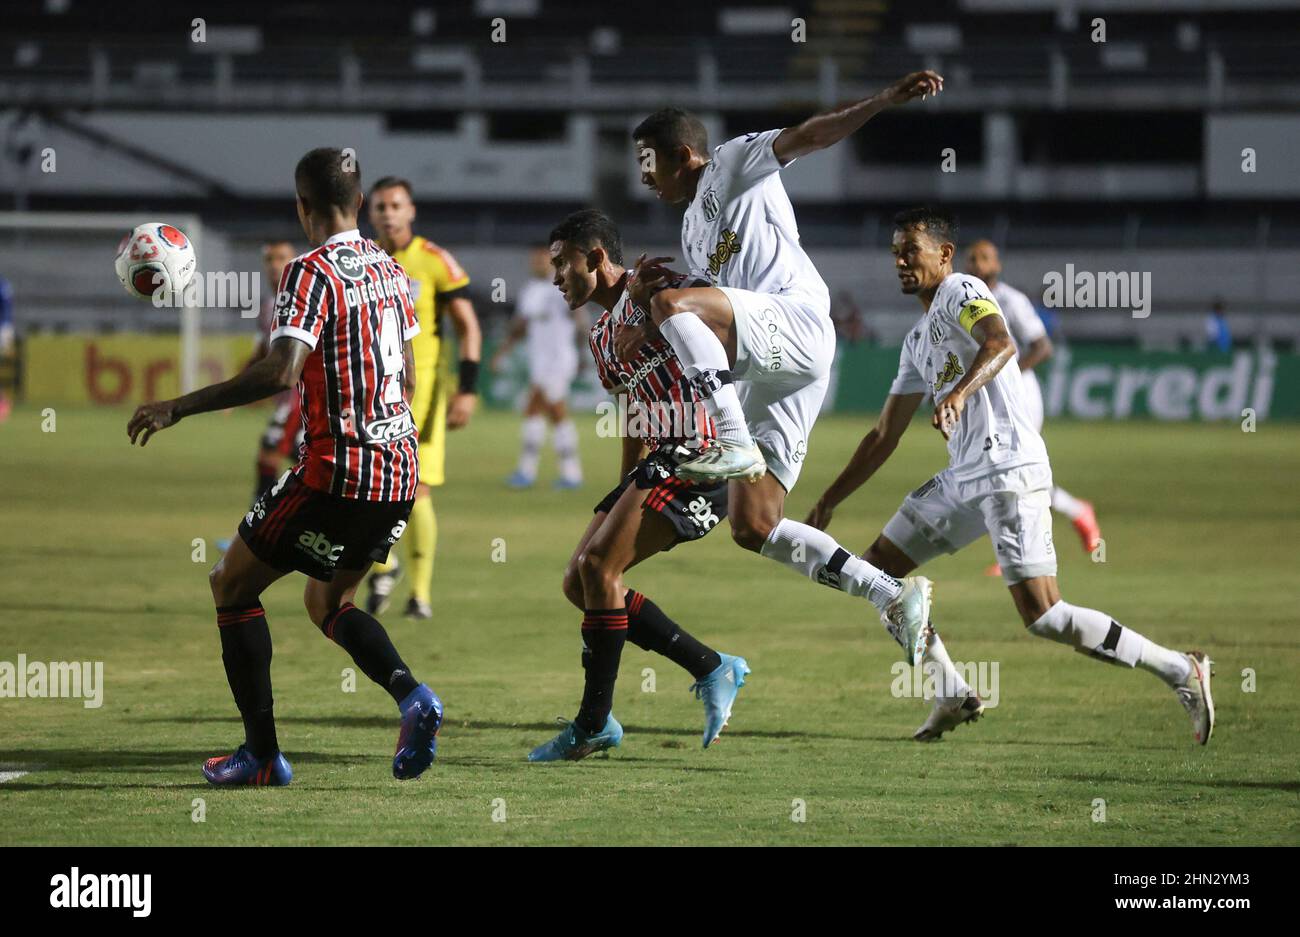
column 429, row 410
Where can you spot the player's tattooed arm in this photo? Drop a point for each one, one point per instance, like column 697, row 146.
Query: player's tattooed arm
column 876, row 447
column 996, row 349
column 267, row 376
column 830, row 127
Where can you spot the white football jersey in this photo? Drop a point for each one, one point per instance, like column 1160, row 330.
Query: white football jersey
column 1022, row 319
column 995, row 431
column 739, row 230
column 552, row 339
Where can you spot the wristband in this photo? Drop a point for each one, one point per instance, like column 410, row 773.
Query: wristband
column 469, row 377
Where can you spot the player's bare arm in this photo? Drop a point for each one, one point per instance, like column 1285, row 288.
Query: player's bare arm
column 634, row 451
column 408, row 370
column 1039, row 350
column 278, row 371
column 648, row 273
column 876, row 447
column 470, row 338
column 518, row 329
column 996, row 349
column 830, row 127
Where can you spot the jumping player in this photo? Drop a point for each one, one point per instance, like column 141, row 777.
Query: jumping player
column 440, row 287
column 343, row 324
column 648, row 512
column 998, row 481
column 550, row 329
column 759, row 342
column 1033, row 347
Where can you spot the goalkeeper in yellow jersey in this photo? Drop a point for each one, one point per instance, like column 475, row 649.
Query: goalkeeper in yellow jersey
column 445, row 397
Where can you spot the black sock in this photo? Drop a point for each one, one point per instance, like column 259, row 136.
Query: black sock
column 246, row 653
column 603, row 634
column 367, row 641
column 649, row 628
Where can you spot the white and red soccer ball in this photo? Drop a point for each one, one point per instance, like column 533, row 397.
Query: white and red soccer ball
column 155, row 258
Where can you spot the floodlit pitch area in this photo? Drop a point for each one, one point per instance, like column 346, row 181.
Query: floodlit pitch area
column 1200, row 522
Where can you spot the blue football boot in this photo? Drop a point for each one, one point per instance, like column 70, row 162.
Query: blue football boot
column 242, row 768
column 718, row 691
column 572, row 744
column 417, row 741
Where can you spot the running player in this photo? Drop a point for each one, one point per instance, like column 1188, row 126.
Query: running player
column 440, row 287
column 960, row 355
column 759, row 343
column 648, row 512
column 551, row 329
column 343, row 323
column 1033, row 347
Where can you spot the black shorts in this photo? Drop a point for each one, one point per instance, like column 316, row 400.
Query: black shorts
column 295, row 527
column 692, row 508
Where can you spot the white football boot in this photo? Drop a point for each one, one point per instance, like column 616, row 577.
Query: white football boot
column 723, row 460
column 907, row 618
column 1195, row 696
column 947, row 715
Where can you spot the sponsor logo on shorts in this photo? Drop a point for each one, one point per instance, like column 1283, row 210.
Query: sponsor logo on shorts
column 316, row 543
column 775, row 349
column 701, row 512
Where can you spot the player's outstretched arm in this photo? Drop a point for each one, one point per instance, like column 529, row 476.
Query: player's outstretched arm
column 830, row 127
column 996, row 349
column 267, row 376
column 876, row 447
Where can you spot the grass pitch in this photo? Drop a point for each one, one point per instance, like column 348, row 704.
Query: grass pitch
column 97, row 564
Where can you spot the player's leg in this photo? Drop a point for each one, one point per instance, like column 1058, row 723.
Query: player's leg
column 700, row 324
column 422, row 530
column 237, row 582
column 531, row 437
column 565, row 438
column 1080, row 513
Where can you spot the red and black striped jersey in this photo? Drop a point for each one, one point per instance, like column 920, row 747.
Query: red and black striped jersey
column 351, row 304
column 664, row 405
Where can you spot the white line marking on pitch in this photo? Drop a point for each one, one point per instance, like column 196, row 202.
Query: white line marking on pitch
column 12, row 775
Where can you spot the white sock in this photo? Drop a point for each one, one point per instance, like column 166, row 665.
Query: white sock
column 565, row 442
column 1097, row 634
column 815, row 553
column 1065, row 503
column 533, row 434
column 951, row 687
column 701, row 354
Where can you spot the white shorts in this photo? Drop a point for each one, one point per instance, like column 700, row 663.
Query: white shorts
column 785, row 346
column 1033, row 398
column 552, row 380
column 1013, row 507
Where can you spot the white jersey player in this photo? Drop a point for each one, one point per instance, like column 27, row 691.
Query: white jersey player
column 1033, row 347
column 550, row 332
column 960, row 356
column 758, row 343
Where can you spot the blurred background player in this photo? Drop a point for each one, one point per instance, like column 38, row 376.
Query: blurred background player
column 551, row 330
column 6, row 347
column 1033, row 347
column 284, row 429
column 439, row 286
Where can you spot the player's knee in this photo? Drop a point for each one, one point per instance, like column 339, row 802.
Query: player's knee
column 886, row 560
column 573, row 587
column 751, row 531
column 664, row 304
column 596, row 571
column 318, row 606
column 219, row 583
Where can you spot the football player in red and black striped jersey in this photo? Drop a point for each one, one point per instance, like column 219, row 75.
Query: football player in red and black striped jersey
column 649, row 511
column 343, row 323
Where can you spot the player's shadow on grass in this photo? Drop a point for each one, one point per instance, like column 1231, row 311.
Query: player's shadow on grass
column 79, row 759
column 1286, row 787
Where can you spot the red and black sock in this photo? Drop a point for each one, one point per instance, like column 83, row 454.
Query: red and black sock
column 246, row 654
column 366, row 640
column 649, row 628
column 603, row 634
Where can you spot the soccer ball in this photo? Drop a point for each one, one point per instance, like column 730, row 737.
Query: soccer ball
column 155, row 258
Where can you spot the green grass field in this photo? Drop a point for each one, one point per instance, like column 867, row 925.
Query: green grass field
column 1201, row 528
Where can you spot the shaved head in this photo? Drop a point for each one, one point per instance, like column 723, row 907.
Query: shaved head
column 982, row 261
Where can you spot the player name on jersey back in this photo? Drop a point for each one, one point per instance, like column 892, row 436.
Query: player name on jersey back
column 351, row 303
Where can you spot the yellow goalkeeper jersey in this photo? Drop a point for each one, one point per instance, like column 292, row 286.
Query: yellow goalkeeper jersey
column 435, row 278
